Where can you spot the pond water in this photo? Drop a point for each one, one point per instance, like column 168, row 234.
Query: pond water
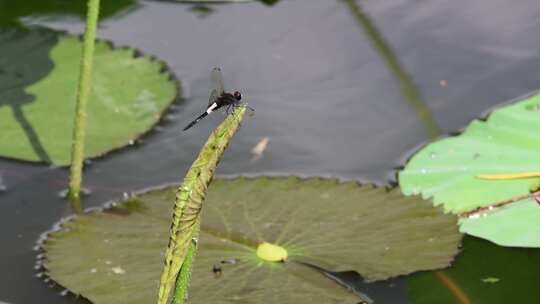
column 339, row 92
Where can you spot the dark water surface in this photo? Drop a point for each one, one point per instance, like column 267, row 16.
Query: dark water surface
column 339, row 91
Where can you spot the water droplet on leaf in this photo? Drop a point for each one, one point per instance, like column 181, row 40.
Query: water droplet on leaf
column 118, row 270
column 64, row 193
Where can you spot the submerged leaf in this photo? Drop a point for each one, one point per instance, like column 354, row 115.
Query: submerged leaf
column 38, row 81
column 322, row 222
column 507, row 142
column 482, row 273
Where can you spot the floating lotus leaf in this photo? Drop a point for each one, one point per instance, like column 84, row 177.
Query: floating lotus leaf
column 13, row 11
column 117, row 256
column 447, row 170
column 39, row 71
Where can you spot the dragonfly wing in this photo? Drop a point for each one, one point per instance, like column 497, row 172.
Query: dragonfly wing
column 214, row 95
column 217, row 80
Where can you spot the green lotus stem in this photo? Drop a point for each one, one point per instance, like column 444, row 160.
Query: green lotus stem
column 188, row 204
column 83, row 93
column 182, row 283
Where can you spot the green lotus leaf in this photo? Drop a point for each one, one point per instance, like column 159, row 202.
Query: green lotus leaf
column 12, row 11
column 38, row 81
column 482, row 273
column 447, row 170
column 117, row 256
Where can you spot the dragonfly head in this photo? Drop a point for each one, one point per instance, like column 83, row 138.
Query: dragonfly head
column 237, row 95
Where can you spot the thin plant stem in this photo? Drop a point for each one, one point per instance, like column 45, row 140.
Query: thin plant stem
column 458, row 293
column 182, row 284
column 499, row 204
column 83, row 94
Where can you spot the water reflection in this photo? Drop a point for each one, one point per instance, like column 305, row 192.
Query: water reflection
column 408, row 88
column 202, row 10
column 205, row 8
column 217, row 2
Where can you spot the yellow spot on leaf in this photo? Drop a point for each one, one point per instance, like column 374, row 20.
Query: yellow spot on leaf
column 271, row 253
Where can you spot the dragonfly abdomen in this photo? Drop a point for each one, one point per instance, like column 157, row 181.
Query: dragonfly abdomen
column 191, row 124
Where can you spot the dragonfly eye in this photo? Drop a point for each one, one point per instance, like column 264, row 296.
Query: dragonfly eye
column 237, row 95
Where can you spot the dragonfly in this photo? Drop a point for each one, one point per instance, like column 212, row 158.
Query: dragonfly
column 218, row 98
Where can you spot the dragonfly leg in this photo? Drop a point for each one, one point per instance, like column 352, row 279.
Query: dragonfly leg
column 228, row 110
column 251, row 110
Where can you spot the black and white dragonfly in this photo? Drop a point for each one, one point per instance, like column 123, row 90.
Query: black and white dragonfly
column 218, row 98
